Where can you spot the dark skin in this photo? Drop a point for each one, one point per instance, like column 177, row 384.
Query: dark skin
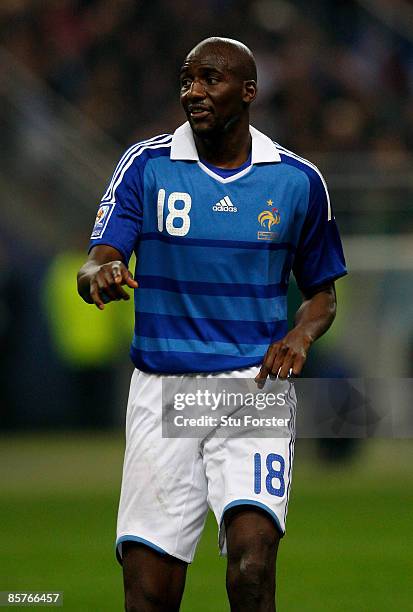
column 103, row 277
column 312, row 320
column 216, row 99
column 217, row 87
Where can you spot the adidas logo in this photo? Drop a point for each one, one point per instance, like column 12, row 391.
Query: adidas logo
column 224, row 205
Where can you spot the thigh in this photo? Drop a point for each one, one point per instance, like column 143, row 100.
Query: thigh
column 163, row 496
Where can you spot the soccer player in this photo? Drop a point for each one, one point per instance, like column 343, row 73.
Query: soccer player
column 218, row 215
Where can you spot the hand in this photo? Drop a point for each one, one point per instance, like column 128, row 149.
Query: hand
column 284, row 356
column 106, row 283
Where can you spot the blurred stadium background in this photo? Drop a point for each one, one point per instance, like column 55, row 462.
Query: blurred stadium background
column 79, row 81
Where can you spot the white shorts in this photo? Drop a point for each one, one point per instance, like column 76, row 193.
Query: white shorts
column 168, row 484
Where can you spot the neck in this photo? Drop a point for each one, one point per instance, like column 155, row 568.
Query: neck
column 228, row 148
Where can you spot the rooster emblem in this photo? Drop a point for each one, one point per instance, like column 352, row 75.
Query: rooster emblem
column 269, row 217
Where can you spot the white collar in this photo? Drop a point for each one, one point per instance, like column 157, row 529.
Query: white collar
column 183, row 146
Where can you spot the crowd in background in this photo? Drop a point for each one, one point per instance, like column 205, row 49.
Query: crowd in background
column 331, row 76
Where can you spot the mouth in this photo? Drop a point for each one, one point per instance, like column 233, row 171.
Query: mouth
column 198, row 112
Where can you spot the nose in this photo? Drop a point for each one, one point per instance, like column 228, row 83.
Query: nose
column 196, row 91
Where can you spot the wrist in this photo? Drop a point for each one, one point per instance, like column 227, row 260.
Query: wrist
column 307, row 337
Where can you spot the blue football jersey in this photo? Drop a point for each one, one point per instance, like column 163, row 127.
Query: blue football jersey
column 214, row 253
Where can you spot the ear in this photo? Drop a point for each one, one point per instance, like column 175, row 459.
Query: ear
column 249, row 91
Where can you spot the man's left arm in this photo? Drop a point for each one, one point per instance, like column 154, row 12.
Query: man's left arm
column 312, row 320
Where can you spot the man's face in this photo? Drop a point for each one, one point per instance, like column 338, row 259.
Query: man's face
column 212, row 95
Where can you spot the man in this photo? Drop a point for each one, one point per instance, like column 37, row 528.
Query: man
column 218, row 215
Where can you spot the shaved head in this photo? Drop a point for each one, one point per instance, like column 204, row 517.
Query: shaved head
column 233, row 54
column 217, row 86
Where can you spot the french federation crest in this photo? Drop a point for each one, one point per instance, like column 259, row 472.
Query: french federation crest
column 267, row 219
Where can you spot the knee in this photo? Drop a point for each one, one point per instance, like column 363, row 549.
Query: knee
column 251, row 570
column 145, row 596
column 140, row 597
column 141, row 581
column 251, row 564
column 151, row 581
column 252, row 544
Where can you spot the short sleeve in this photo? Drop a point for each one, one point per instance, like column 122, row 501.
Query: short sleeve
column 119, row 216
column 319, row 257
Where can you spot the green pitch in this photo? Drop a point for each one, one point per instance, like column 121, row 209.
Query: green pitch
column 348, row 547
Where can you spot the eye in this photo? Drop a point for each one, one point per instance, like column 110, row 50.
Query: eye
column 185, row 83
column 211, row 80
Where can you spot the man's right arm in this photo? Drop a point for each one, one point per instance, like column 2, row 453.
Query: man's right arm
column 101, row 278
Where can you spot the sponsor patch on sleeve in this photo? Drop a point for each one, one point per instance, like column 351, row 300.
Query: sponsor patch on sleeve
column 102, row 218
